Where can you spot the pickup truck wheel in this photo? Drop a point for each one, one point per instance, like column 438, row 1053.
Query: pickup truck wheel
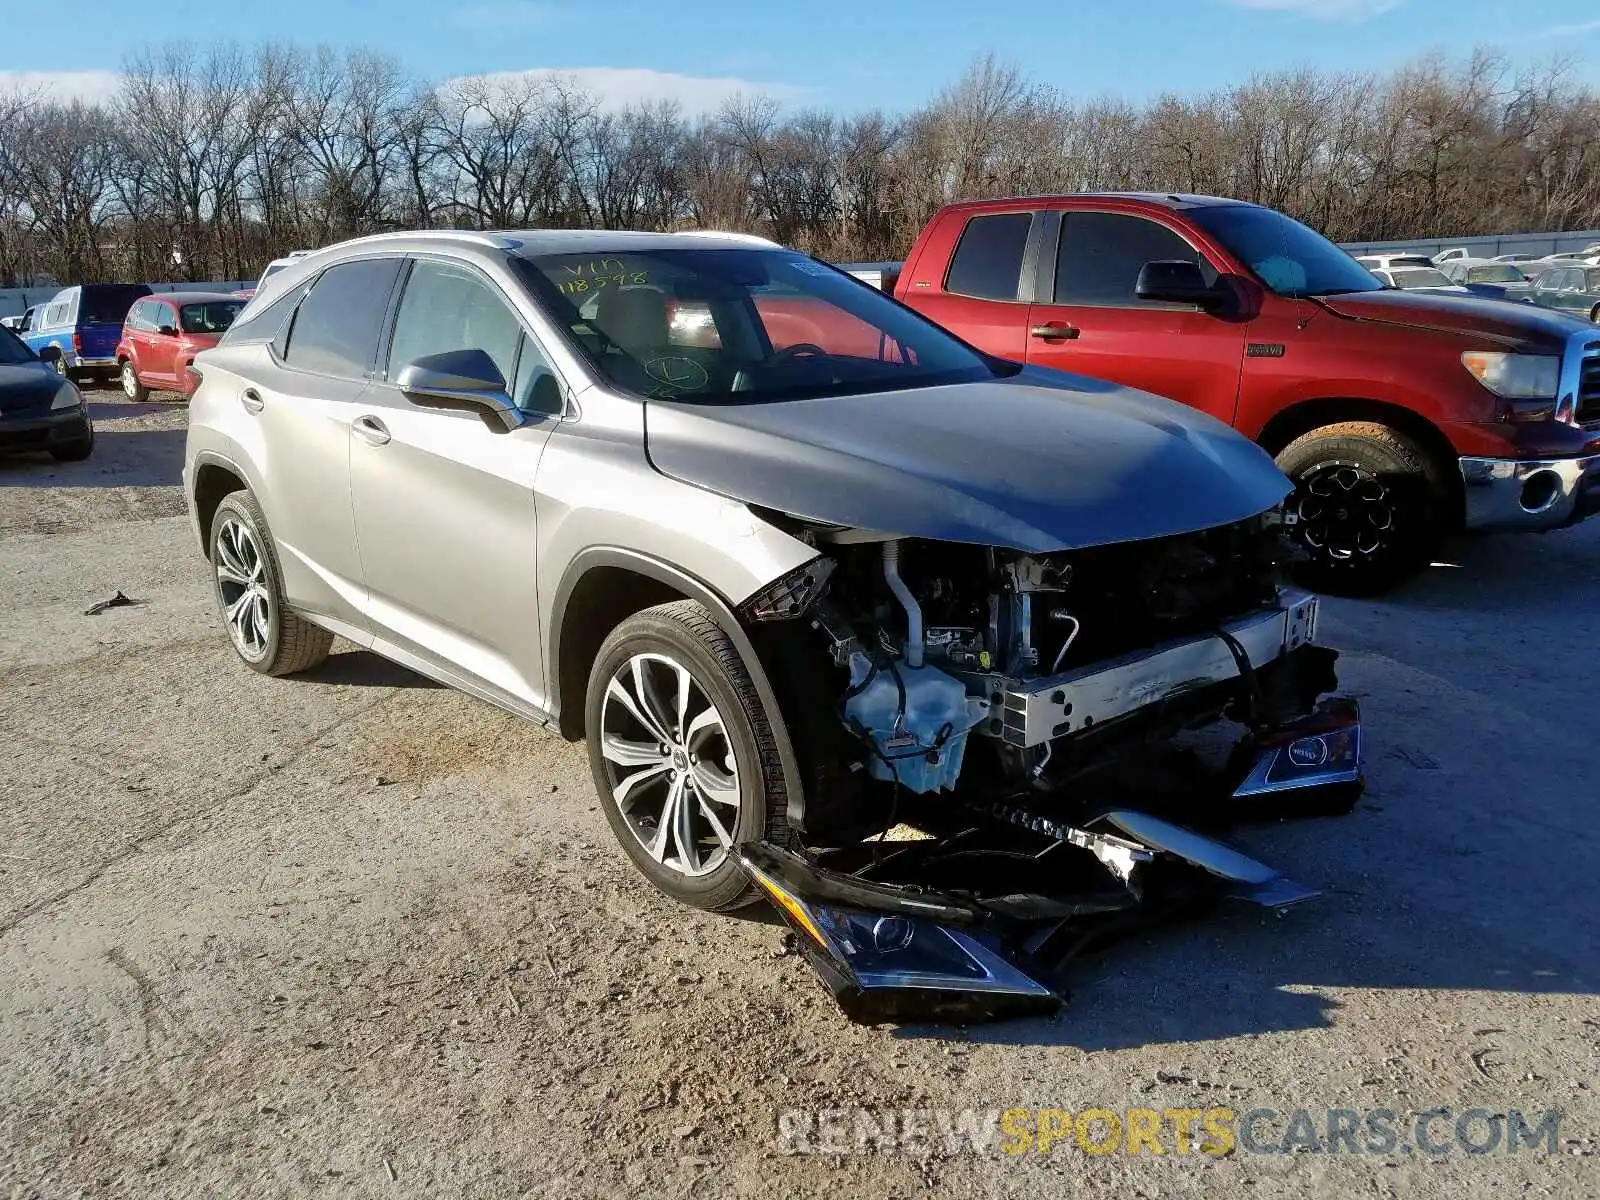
column 131, row 387
column 1594, row 314
column 266, row 633
column 1365, row 506
column 682, row 753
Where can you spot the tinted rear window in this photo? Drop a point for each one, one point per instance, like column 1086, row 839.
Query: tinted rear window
column 988, row 259
column 109, row 305
column 335, row 330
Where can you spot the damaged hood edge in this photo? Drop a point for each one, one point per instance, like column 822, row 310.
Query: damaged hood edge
column 1040, row 462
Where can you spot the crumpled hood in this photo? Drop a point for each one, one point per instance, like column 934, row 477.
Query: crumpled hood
column 1039, row 462
column 1506, row 321
column 27, row 386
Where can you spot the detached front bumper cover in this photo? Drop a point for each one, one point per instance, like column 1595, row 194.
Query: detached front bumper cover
column 977, row 926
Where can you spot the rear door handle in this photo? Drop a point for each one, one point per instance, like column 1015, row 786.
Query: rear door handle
column 371, row 430
column 1053, row 331
column 252, row 400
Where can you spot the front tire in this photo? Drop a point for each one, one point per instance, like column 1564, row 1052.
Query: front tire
column 75, row 451
column 268, row 635
column 682, row 753
column 1367, row 506
column 132, row 388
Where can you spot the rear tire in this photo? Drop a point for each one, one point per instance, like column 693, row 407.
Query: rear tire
column 701, row 750
column 132, row 388
column 1367, row 507
column 268, row 635
column 1594, row 314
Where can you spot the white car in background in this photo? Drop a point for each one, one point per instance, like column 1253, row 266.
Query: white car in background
column 1393, row 258
column 1451, row 255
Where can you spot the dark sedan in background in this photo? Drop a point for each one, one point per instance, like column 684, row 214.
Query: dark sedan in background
column 39, row 408
column 1574, row 290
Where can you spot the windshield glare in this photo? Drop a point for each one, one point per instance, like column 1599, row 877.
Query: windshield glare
column 1288, row 257
column 740, row 326
column 13, row 351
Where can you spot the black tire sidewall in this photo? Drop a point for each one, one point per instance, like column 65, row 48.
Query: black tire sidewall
column 239, row 506
column 1411, row 497
column 648, row 632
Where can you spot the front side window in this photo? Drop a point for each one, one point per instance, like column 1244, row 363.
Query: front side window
column 1286, row 256
column 214, row 316
column 759, row 325
column 449, row 307
column 987, row 263
column 12, row 350
column 335, row 329
column 1101, row 255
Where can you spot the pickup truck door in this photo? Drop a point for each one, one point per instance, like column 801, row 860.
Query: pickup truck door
column 1093, row 324
column 1547, row 288
column 975, row 277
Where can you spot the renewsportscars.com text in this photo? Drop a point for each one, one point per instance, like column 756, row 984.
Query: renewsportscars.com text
column 1382, row 1132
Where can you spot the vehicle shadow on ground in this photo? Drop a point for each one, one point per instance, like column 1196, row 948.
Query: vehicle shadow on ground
column 355, row 667
column 121, row 458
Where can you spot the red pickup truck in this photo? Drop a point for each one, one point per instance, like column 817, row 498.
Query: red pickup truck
column 1401, row 416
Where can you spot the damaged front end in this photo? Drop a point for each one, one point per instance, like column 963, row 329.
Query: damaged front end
column 1011, row 757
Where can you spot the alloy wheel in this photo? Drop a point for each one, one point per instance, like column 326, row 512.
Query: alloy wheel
column 669, row 764
column 1346, row 514
column 242, row 584
column 130, row 381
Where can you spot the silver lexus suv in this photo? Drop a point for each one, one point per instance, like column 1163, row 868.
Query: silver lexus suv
column 800, row 565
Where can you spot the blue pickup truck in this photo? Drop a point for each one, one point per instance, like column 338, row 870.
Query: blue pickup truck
column 85, row 323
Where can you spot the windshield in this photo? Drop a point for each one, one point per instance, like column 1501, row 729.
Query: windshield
column 1416, row 277
column 13, row 350
column 214, row 316
column 1494, row 273
column 1288, row 257
column 109, row 305
column 741, row 326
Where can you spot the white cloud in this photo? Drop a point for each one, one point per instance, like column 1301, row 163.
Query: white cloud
column 65, row 86
column 1323, row 10
column 615, row 87
column 1561, row 31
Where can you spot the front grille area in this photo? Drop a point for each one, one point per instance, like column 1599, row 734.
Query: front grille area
column 1589, row 386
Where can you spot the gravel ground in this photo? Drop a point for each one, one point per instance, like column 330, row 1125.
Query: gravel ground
column 355, row 934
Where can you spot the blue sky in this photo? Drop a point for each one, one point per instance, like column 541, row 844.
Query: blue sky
column 844, row 54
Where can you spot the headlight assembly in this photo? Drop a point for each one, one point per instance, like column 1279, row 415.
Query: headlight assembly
column 1530, row 381
column 67, row 396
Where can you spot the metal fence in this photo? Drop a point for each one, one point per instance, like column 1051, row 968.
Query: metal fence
column 1485, row 247
column 15, row 301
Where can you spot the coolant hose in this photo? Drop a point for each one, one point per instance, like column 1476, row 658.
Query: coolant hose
column 891, row 576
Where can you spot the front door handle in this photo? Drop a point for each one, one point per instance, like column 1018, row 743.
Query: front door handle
column 252, row 400
column 1053, row 331
column 371, row 430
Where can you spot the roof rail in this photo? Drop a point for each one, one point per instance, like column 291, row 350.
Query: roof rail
column 494, row 241
column 751, row 238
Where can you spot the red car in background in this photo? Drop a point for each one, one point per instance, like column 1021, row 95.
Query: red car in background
column 163, row 334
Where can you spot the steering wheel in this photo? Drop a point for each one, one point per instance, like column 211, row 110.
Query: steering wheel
column 797, row 351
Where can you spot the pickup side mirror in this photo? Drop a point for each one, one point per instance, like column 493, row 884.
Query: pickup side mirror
column 1177, row 281
column 460, row 379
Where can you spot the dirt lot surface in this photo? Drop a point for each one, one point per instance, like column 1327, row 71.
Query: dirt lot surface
column 355, row 934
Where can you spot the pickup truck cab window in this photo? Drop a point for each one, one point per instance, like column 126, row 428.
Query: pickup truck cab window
column 987, row 263
column 1100, row 255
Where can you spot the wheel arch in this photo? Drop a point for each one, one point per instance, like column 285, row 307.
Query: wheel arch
column 215, row 478
column 602, row 587
column 1306, row 415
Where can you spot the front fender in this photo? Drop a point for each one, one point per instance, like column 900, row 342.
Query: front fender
column 651, row 567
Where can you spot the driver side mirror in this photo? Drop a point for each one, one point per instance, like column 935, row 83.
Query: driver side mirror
column 1177, row 281
column 50, row 355
column 460, row 379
